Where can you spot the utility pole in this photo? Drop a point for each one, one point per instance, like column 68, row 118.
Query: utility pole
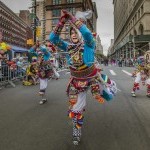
column 34, row 20
column 34, row 5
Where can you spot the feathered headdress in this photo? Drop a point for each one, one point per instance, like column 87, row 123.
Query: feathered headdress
column 84, row 15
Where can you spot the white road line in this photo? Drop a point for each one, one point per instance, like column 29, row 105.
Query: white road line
column 62, row 70
column 128, row 73
column 67, row 73
column 119, row 90
column 112, row 72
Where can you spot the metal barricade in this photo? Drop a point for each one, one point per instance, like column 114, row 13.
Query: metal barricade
column 10, row 74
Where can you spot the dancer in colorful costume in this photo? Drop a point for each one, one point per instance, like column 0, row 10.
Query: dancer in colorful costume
column 147, row 67
column 141, row 74
column 84, row 74
column 31, row 73
column 45, row 69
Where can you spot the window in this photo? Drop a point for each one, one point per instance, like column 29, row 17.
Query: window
column 139, row 14
column 141, row 29
column 142, row 10
column 135, row 17
column 72, row 10
column 135, row 33
column 56, row 13
column 55, row 2
column 70, row 1
column 55, row 21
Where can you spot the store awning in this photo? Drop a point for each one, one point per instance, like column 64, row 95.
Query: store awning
column 18, row 49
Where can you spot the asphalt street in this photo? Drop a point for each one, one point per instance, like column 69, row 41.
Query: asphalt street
column 121, row 124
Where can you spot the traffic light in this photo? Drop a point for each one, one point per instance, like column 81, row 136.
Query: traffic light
column 38, row 31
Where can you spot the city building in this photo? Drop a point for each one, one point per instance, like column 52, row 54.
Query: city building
column 51, row 15
column 99, row 47
column 131, row 28
column 111, row 48
column 14, row 30
column 25, row 15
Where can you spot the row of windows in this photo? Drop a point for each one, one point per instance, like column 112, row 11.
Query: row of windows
column 11, row 18
column 71, row 10
column 12, row 30
column 12, row 27
column 136, row 17
column 66, row 28
column 56, row 2
column 11, row 23
column 121, row 17
column 12, row 37
column 57, row 12
column 5, row 33
column 131, row 24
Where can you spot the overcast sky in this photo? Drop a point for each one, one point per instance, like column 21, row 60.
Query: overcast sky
column 105, row 23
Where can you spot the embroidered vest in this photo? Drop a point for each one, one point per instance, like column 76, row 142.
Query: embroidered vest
column 76, row 54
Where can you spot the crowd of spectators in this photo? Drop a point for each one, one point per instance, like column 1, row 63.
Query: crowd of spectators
column 13, row 68
column 122, row 62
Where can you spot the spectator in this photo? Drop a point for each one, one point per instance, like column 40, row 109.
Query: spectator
column 20, row 62
column 4, row 67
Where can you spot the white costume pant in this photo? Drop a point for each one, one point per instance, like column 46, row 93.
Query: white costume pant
column 43, row 84
column 148, row 81
column 138, row 78
column 81, row 102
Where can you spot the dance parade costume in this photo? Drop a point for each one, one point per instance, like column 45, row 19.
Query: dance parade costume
column 141, row 74
column 147, row 67
column 45, row 69
column 84, row 74
column 31, row 73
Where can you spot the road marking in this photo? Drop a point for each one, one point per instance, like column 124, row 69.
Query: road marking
column 112, row 72
column 62, row 70
column 119, row 90
column 128, row 73
column 67, row 72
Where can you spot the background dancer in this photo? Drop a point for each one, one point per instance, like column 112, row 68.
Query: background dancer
column 141, row 74
column 44, row 67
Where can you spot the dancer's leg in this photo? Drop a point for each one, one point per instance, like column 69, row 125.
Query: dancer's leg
column 43, row 86
column 77, row 116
